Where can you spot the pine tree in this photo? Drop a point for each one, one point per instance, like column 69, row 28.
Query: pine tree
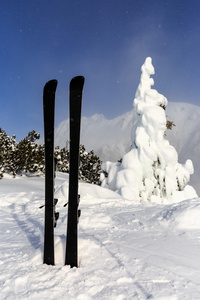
column 62, row 159
column 7, row 151
column 90, row 166
column 27, row 156
column 150, row 170
column 23, row 156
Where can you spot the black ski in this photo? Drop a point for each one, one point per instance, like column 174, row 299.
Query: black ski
column 75, row 102
column 49, row 112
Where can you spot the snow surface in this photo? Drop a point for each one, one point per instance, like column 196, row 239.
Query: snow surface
column 127, row 250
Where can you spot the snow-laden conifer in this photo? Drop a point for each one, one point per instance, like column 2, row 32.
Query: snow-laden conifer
column 150, row 170
column 27, row 156
column 7, row 152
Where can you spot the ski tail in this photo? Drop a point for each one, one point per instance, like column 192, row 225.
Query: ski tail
column 49, row 115
column 76, row 90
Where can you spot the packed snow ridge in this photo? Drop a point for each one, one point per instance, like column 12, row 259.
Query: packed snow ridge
column 150, row 170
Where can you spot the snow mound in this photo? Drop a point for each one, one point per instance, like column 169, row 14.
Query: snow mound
column 184, row 215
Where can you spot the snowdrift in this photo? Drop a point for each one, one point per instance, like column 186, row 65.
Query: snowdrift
column 127, row 250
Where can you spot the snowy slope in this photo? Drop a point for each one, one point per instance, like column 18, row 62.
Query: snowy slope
column 127, row 250
column 110, row 139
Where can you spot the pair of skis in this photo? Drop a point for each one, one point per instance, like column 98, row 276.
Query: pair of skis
column 75, row 103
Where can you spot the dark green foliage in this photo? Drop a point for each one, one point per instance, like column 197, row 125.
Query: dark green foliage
column 7, row 145
column 7, row 152
column 62, row 159
column 90, row 166
column 27, row 156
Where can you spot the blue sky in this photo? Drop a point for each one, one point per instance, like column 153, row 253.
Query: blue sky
column 106, row 41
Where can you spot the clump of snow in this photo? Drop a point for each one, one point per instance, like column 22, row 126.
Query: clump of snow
column 150, row 170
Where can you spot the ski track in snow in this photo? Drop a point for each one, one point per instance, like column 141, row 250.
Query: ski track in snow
column 127, row 250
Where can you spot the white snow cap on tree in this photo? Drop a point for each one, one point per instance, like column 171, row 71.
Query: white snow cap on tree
column 150, row 170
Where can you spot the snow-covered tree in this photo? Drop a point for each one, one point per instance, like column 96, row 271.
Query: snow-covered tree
column 90, row 166
column 29, row 156
column 62, row 159
column 150, row 170
column 7, row 151
column 23, row 156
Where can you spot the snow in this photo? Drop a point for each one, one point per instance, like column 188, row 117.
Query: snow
column 127, row 250
column 150, row 170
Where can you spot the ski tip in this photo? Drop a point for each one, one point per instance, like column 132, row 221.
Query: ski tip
column 77, row 81
column 50, row 86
